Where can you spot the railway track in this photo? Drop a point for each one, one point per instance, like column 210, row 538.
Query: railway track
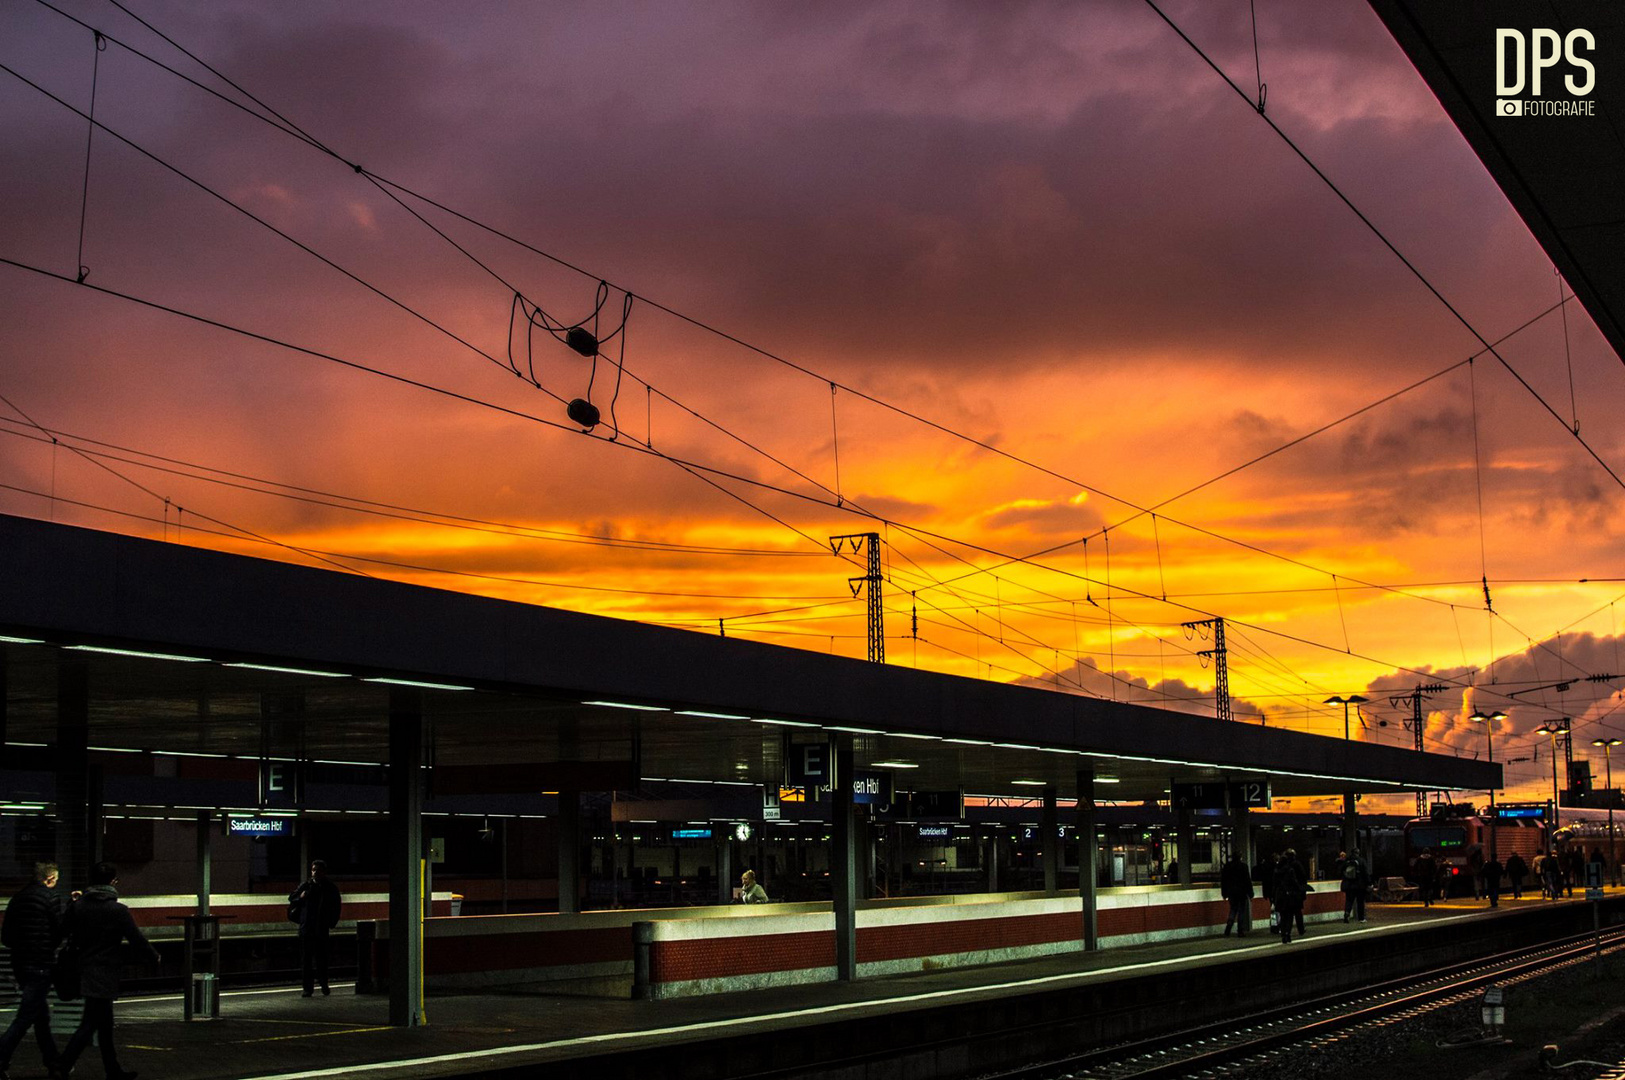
column 1222, row 1048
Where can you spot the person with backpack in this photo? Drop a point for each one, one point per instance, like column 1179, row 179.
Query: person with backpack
column 1427, row 874
column 1517, row 870
column 1289, row 889
column 1552, row 870
column 1356, row 883
column 32, row 931
column 97, row 924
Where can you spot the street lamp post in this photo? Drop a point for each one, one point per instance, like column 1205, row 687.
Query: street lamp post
column 1554, row 730
column 1488, row 720
column 1608, row 760
column 1352, row 699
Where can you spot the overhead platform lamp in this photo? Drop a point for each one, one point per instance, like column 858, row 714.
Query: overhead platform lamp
column 1561, row 727
column 1353, row 699
column 1488, row 720
column 1608, row 760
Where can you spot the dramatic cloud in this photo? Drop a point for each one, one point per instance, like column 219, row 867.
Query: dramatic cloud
column 1061, row 272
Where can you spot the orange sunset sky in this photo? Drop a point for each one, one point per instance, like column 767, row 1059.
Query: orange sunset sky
column 1056, row 270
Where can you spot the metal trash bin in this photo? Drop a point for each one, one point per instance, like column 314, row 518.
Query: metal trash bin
column 205, row 994
column 202, row 965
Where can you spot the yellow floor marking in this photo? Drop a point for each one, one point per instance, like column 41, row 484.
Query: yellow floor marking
column 312, row 1035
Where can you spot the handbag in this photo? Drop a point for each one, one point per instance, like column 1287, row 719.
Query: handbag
column 296, row 911
column 1275, row 919
column 65, row 975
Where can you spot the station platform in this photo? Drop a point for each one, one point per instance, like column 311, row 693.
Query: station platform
column 276, row 1034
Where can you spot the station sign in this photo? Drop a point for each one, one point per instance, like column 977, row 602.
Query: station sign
column 772, row 798
column 691, row 834
column 872, row 788
column 1254, row 794
column 1520, row 812
column 934, row 832
column 259, row 827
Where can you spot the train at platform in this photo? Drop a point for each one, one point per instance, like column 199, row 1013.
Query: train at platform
column 1461, row 838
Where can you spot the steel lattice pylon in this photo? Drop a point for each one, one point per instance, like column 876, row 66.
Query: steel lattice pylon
column 869, row 582
column 1221, row 666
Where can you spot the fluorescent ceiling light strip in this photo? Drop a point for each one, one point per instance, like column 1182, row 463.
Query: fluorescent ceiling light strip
column 856, row 730
column 334, row 761
column 189, row 753
column 969, row 742
column 1108, row 780
column 912, row 735
column 1030, row 783
column 895, row 765
column 117, row 749
column 418, row 684
column 7, row 639
column 140, row 653
column 782, row 723
column 711, row 715
column 291, row 670
column 1017, row 746
column 40, row 745
column 628, row 705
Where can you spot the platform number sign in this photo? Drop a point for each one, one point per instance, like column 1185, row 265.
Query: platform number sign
column 1593, row 881
column 1251, row 794
column 810, row 764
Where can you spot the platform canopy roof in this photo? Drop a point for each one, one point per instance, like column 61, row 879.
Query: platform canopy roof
column 225, row 654
column 1565, row 175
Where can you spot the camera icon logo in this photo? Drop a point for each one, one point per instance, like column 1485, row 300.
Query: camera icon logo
column 1508, row 107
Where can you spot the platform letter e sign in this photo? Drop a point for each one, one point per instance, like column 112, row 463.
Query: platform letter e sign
column 1525, row 56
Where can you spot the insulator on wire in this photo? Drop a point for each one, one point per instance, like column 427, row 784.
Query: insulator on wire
column 583, row 412
column 582, row 341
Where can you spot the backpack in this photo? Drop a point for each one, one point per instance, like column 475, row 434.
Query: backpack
column 1351, row 871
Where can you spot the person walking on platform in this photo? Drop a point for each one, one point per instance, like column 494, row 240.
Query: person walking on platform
column 1577, row 867
column 316, row 903
column 1492, row 881
column 32, row 931
column 1356, row 883
column 1236, row 886
column 97, row 924
column 1427, row 873
column 1303, row 876
column 1264, row 874
column 1517, row 870
column 1288, row 890
column 1551, row 869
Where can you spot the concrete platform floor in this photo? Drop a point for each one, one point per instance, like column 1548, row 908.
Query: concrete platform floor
column 276, row 1034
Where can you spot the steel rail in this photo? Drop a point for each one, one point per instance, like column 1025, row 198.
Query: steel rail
column 1193, row 1050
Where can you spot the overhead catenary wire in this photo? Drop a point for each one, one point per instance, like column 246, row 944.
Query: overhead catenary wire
column 99, row 44
column 144, row 489
column 687, row 465
column 1381, row 236
column 322, row 497
column 289, row 128
column 1109, row 598
column 234, row 532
